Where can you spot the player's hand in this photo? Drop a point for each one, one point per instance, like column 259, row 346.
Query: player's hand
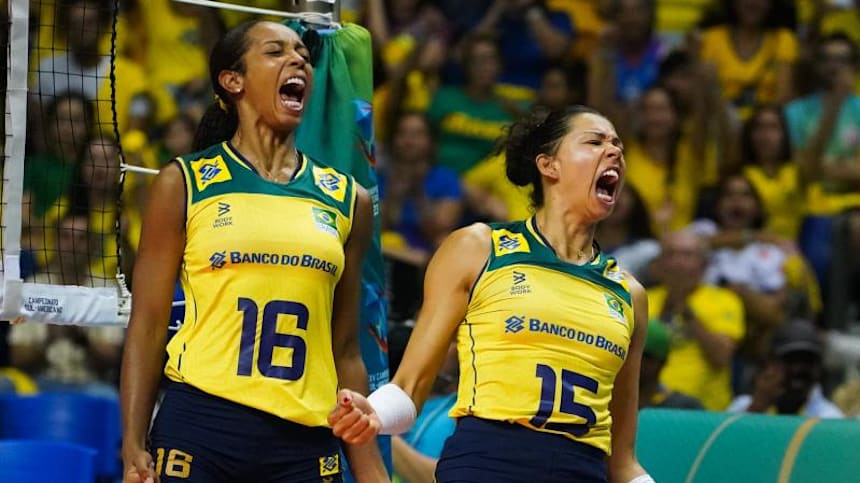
column 139, row 468
column 768, row 387
column 353, row 420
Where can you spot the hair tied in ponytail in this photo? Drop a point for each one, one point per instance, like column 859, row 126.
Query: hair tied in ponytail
column 221, row 104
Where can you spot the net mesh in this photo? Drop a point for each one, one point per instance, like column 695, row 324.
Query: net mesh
column 4, row 58
column 72, row 160
column 90, row 78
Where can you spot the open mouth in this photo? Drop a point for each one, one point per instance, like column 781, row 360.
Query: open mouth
column 607, row 185
column 293, row 93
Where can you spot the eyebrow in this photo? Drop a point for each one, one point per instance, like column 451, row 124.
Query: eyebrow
column 616, row 141
column 298, row 45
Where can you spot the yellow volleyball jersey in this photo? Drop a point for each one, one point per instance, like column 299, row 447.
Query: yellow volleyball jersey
column 543, row 339
column 259, row 271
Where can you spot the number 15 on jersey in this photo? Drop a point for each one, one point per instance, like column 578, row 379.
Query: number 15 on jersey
column 569, row 381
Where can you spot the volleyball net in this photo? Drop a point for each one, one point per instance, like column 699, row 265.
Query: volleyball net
column 61, row 169
column 77, row 160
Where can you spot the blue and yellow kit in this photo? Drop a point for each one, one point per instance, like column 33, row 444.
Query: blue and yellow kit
column 543, row 339
column 259, row 271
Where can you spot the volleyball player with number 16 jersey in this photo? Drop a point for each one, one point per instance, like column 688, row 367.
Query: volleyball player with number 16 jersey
column 268, row 246
column 242, row 266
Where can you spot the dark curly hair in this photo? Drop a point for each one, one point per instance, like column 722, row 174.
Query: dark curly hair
column 539, row 132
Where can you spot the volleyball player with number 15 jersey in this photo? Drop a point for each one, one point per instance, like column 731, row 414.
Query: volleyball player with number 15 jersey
column 549, row 330
column 268, row 246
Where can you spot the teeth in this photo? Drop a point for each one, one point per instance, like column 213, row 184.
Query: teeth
column 294, row 105
column 605, row 196
column 612, row 173
column 296, row 80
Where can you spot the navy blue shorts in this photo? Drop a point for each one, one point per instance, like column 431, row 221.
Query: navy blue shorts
column 201, row 438
column 481, row 450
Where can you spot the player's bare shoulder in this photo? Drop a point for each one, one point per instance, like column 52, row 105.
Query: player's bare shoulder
column 637, row 292
column 464, row 253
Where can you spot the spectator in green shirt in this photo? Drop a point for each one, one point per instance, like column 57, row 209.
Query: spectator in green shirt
column 470, row 118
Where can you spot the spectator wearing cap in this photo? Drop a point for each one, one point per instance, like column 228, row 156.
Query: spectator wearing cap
column 651, row 392
column 790, row 381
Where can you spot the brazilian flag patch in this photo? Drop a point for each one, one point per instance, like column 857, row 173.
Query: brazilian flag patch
column 616, row 310
column 326, row 220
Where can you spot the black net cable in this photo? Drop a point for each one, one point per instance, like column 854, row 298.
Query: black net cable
column 121, row 159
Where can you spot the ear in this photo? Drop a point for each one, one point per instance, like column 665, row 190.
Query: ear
column 232, row 81
column 547, row 165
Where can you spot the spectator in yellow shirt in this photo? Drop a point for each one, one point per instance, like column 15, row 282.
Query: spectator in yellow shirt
column 706, row 322
column 753, row 51
column 662, row 164
column 767, row 163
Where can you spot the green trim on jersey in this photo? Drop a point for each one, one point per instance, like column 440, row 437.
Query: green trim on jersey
column 536, row 253
column 220, row 170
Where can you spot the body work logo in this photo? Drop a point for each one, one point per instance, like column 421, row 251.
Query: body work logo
column 506, row 242
column 208, row 171
column 520, row 285
column 514, row 324
column 218, row 260
column 616, row 310
column 326, row 220
column 222, row 220
column 329, row 465
column 330, row 182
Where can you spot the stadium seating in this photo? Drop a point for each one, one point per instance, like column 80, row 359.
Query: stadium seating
column 89, row 421
column 23, row 461
column 698, row 447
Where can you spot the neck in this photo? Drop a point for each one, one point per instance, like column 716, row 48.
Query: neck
column 479, row 92
column 747, row 32
column 102, row 199
column 567, row 233
column 633, row 49
column 746, row 39
column 65, row 151
column 769, row 166
column 657, row 148
column 273, row 154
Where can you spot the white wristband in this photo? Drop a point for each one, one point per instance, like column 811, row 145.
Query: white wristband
column 646, row 478
column 394, row 407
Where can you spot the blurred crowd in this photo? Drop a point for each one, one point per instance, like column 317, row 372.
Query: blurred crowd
column 740, row 211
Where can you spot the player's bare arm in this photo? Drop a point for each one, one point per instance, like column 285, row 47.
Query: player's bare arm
column 161, row 246
column 624, row 406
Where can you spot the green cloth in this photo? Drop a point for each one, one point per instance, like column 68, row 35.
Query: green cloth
column 468, row 130
column 657, row 340
column 47, row 178
column 337, row 130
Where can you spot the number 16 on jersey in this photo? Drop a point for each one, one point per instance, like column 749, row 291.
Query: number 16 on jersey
column 271, row 338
